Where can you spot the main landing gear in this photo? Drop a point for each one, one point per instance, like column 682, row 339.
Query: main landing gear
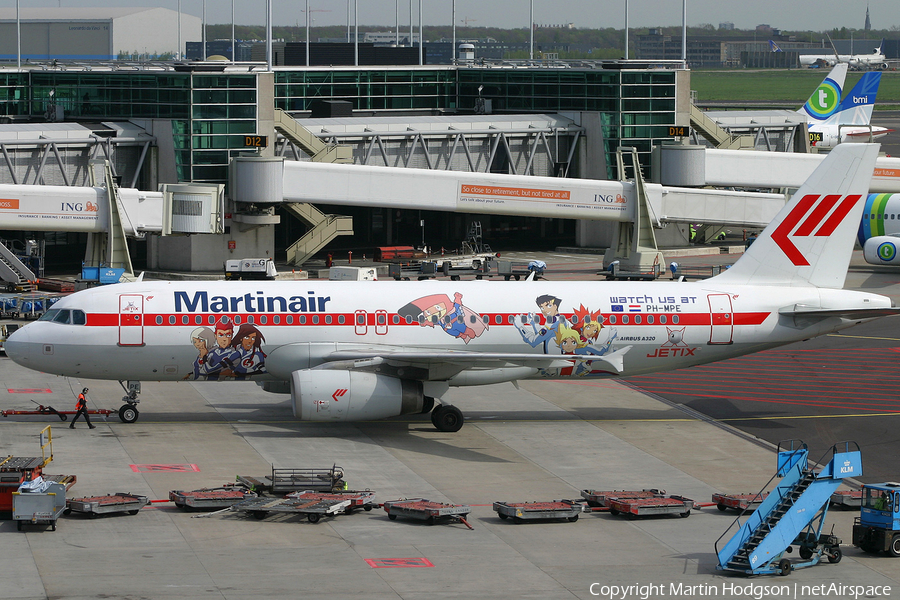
column 446, row 417
column 128, row 412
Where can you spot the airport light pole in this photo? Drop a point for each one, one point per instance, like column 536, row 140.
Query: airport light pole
column 233, row 36
column 684, row 32
column 269, row 34
column 421, row 35
column 397, row 25
column 203, row 33
column 626, row 29
column 18, row 39
column 453, row 47
column 177, row 54
column 356, row 32
column 531, row 32
column 307, row 33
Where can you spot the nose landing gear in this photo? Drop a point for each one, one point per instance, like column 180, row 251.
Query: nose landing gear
column 128, row 412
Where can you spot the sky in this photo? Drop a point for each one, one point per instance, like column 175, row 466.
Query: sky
column 511, row 14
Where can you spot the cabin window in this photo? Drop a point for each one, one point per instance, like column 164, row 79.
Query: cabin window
column 328, row 319
column 360, row 319
column 184, row 320
column 276, row 319
column 341, row 319
column 262, row 319
column 78, row 317
column 395, row 319
column 575, row 319
column 663, row 319
column 289, row 319
column 382, row 319
column 486, row 319
column 624, row 319
column 675, row 319
column 171, row 319
column 315, row 320
column 498, row 319
column 408, row 319
column 237, row 319
column 302, row 319
column 637, row 319
column 159, row 319
column 650, row 319
column 612, row 319
column 211, row 319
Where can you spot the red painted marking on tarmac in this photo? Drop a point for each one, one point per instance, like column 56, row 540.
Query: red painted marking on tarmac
column 398, row 563
column 28, row 391
column 165, row 468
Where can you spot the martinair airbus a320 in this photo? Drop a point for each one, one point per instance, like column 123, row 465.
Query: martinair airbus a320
column 349, row 351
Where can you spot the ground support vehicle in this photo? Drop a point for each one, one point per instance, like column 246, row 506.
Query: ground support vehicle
column 793, row 514
column 698, row 272
column 533, row 511
column 39, row 507
column 740, row 502
column 514, row 269
column 120, row 502
column 364, row 500
column 600, row 498
column 16, row 470
column 847, row 499
column 645, row 507
column 49, row 410
column 222, row 497
column 285, row 481
column 877, row 528
column 428, row 511
column 314, row 509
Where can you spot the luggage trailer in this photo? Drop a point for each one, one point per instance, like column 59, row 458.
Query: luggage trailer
column 532, row 511
column 120, row 502
column 358, row 499
column 209, row 498
column 428, row 511
column 739, row 502
column 645, row 507
column 313, row 508
column 600, row 499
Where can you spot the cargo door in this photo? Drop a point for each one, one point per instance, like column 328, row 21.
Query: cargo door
column 381, row 322
column 721, row 319
column 131, row 320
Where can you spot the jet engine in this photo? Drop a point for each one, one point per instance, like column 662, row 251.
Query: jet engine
column 335, row 395
column 882, row 250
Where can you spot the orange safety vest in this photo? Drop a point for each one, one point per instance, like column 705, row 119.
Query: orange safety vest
column 81, row 402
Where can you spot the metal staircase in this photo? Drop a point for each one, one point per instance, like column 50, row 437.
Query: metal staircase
column 715, row 135
column 793, row 514
column 14, row 272
column 323, row 228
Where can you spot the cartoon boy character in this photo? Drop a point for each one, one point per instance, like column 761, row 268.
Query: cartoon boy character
column 454, row 318
column 220, row 360
column 569, row 342
column 203, row 339
column 535, row 334
column 248, row 359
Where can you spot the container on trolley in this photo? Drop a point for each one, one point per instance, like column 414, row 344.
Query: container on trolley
column 42, row 507
column 599, row 498
column 120, row 502
column 534, row 511
column 209, row 498
column 428, row 511
column 646, row 507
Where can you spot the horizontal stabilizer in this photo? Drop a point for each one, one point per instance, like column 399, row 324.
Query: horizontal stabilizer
column 806, row 311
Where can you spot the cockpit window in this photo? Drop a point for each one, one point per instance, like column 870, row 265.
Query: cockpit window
column 65, row 316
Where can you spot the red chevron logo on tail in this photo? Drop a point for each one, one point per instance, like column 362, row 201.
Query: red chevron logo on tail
column 818, row 212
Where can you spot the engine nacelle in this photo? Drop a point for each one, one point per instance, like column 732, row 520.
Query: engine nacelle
column 882, row 250
column 325, row 395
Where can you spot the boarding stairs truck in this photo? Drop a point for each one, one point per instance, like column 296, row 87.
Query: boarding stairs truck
column 793, row 514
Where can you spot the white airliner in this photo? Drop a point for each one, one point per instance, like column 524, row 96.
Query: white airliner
column 876, row 60
column 369, row 350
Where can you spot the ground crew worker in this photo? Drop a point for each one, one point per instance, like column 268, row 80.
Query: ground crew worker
column 81, row 407
column 673, row 266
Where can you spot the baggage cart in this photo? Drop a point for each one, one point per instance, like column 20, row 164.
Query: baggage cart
column 209, row 498
column 285, row 481
column 740, row 502
column 528, row 511
column 847, row 499
column 120, row 502
column 39, row 507
column 364, row 499
column 313, row 508
column 599, row 498
column 645, row 507
column 428, row 511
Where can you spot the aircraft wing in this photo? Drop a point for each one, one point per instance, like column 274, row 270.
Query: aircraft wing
column 803, row 311
column 458, row 361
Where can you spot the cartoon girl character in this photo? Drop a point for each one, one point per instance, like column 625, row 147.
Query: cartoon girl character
column 248, row 358
column 203, row 340
column 454, row 318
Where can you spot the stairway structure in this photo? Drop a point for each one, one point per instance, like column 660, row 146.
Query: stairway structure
column 715, row 135
column 323, row 228
column 14, row 272
column 792, row 514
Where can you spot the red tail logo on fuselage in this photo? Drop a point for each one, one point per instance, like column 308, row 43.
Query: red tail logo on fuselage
column 819, row 209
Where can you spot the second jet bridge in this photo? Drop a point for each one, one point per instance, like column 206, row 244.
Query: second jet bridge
column 793, row 514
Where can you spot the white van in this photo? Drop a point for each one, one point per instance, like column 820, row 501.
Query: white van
column 352, row 274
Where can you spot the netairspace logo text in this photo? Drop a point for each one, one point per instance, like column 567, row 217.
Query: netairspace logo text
column 756, row 591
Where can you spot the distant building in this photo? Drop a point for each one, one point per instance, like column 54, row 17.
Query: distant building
column 868, row 25
column 727, row 26
column 94, row 33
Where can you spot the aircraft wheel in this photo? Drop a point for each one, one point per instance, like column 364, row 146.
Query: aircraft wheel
column 836, row 555
column 895, row 545
column 435, row 414
column 128, row 413
column 784, row 567
column 450, row 419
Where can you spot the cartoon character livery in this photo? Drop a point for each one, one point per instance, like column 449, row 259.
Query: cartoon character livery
column 454, row 318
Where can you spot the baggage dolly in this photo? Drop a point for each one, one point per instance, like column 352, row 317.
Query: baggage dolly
column 314, row 509
column 739, row 502
column 206, row 498
column 599, row 499
column 644, row 507
column 39, row 507
column 533, row 511
column 847, row 499
column 106, row 505
column 428, row 511
column 363, row 500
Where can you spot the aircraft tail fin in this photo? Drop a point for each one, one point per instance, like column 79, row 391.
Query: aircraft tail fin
column 774, row 47
column 826, row 98
column 810, row 241
column 857, row 107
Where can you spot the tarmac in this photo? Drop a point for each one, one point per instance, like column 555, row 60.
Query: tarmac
column 541, row 441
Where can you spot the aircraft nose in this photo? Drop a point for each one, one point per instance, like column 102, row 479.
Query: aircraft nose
column 16, row 345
